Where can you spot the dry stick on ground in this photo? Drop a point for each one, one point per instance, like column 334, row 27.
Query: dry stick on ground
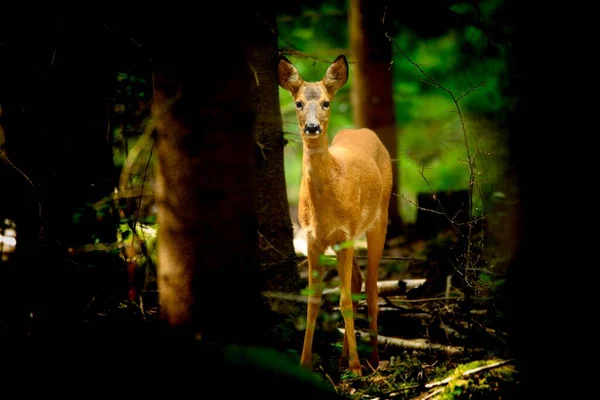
column 384, row 287
column 414, row 344
column 450, row 379
column 303, row 257
column 430, row 395
column 469, row 372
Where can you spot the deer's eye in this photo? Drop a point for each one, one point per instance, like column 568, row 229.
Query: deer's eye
column 299, row 105
column 325, row 104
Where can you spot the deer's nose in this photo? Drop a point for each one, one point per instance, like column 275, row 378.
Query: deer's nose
column 312, row 128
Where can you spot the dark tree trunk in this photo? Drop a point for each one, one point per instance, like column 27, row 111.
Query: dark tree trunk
column 372, row 85
column 205, row 182
column 275, row 230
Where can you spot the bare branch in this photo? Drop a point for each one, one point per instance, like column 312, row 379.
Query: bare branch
column 415, row 344
column 418, row 206
column 436, row 83
column 469, row 372
column 470, row 90
column 270, row 246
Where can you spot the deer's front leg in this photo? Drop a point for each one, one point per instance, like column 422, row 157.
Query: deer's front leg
column 356, row 288
column 345, row 257
column 315, row 287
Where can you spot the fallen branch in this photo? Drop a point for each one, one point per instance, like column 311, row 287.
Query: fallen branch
column 414, row 344
column 392, row 258
column 384, row 287
column 392, row 301
column 430, row 395
column 469, row 372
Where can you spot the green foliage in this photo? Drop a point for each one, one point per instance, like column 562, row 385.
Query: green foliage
column 429, row 130
column 405, row 376
column 327, row 260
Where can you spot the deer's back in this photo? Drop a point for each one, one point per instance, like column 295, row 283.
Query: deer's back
column 363, row 142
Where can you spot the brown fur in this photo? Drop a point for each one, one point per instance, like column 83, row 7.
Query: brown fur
column 345, row 191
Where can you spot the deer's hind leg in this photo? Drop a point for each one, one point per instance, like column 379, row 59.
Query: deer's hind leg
column 375, row 242
column 356, row 289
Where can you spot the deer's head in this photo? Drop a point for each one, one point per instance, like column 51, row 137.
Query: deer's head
column 313, row 98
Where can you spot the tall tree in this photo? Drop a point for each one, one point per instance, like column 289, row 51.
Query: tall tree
column 205, row 183
column 372, row 85
column 208, row 272
column 276, row 248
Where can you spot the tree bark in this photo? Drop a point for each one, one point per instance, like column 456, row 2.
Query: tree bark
column 372, row 85
column 205, row 181
column 276, row 247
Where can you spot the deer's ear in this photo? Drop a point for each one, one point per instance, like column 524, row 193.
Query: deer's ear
column 288, row 76
column 336, row 75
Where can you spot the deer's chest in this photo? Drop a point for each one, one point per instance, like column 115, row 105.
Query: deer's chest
column 323, row 213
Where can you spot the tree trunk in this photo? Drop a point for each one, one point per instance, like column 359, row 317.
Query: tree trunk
column 372, row 85
column 276, row 247
column 205, row 182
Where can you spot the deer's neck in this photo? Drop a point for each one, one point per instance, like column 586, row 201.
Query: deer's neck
column 317, row 162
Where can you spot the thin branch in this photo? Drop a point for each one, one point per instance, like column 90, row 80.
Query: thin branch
column 266, row 24
column 481, row 196
column 469, row 372
column 430, row 395
column 270, row 246
column 415, row 344
column 262, row 148
column 139, row 205
column 470, row 90
column 415, row 64
column 4, row 157
column 418, row 206
column 128, row 37
column 303, row 257
column 470, row 158
column 384, row 287
column 426, row 300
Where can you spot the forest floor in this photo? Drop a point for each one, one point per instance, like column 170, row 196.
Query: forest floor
column 439, row 336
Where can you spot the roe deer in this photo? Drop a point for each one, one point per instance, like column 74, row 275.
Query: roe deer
column 344, row 193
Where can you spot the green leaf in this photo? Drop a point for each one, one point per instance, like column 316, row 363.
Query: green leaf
column 327, row 260
column 461, row 8
column 344, row 245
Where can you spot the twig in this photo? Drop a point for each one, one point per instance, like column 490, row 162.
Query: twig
column 470, row 158
column 469, row 372
column 427, row 299
column 329, row 378
column 415, row 344
column 437, row 199
column 303, row 257
column 470, row 90
column 430, row 395
column 418, row 206
column 139, row 205
column 384, row 286
column 262, row 237
column 4, row 157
